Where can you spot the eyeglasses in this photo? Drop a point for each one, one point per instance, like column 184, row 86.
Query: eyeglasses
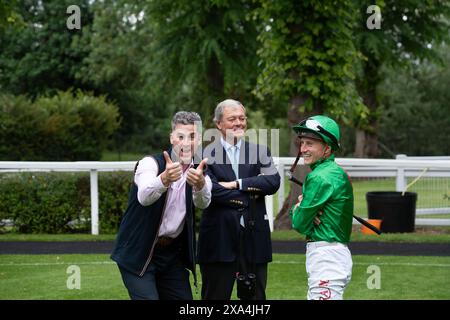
column 315, row 126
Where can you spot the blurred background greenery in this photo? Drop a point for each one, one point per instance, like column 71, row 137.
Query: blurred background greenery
column 107, row 90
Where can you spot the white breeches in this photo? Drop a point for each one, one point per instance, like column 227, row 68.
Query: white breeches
column 329, row 269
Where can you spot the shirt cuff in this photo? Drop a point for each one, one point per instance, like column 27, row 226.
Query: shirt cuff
column 202, row 190
column 160, row 185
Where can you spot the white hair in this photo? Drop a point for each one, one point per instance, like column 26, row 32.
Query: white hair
column 218, row 113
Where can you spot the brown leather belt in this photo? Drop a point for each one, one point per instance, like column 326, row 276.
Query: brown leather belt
column 164, row 241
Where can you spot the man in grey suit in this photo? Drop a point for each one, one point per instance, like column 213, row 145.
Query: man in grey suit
column 242, row 174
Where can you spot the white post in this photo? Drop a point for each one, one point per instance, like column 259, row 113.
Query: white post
column 281, row 189
column 400, row 182
column 269, row 209
column 94, row 202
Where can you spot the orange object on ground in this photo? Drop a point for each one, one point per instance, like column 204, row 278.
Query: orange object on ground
column 374, row 222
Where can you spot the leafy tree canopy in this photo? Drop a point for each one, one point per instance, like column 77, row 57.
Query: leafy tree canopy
column 44, row 55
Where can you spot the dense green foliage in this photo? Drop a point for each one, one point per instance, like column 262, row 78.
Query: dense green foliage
column 307, row 50
column 415, row 114
column 63, row 127
column 204, row 51
column 43, row 55
column 118, row 64
column 60, row 202
column 410, row 32
column 151, row 58
column 9, row 17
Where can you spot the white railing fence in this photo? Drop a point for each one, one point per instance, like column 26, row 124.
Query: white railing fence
column 400, row 168
column 79, row 166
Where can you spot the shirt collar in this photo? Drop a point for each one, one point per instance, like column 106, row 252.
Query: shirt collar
column 227, row 146
column 187, row 166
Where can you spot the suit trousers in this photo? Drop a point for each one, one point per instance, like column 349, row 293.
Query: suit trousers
column 218, row 280
column 165, row 278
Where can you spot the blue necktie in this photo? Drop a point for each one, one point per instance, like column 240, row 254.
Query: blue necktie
column 235, row 160
column 235, row 165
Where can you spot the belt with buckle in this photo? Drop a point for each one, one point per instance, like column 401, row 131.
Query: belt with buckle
column 164, row 241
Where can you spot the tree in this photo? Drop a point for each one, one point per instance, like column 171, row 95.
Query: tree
column 414, row 108
column 9, row 15
column 410, row 31
column 118, row 65
column 307, row 54
column 44, row 55
column 204, row 51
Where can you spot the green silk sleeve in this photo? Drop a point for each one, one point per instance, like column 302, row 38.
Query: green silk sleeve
column 316, row 191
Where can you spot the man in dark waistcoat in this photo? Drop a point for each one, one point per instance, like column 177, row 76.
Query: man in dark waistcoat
column 155, row 245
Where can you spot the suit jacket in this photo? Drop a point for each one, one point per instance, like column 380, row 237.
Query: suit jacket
column 220, row 223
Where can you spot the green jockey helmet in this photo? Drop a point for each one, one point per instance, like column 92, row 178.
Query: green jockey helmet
column 321, row 127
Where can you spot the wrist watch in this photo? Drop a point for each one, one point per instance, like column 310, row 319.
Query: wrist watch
column 237, row 184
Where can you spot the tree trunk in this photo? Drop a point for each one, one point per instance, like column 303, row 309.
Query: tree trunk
column 283, row 221
column 366, row 142
column 360, row 142
column 215, row 76
column 211, row 93
column 366, row 145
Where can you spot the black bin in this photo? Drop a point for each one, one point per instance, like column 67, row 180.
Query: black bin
column 397, row 212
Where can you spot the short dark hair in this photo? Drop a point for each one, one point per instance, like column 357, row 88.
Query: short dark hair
column 186, row 117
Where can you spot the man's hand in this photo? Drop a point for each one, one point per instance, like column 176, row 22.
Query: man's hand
column 195, row 177
column 228, row 185
column 172, row 172
column 316, row 218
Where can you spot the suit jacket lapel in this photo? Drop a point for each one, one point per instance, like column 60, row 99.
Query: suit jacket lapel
column 221, row 159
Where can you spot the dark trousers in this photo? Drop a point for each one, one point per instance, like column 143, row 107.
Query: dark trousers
column 165, row 278
column 218, row 280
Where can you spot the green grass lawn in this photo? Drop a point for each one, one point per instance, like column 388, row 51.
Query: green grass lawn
column 422, row 234
column 56, row 237
column 45, row 277
column 401, row 278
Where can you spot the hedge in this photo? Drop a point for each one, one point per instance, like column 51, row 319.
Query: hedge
column 60, row 202
column 65, row 127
